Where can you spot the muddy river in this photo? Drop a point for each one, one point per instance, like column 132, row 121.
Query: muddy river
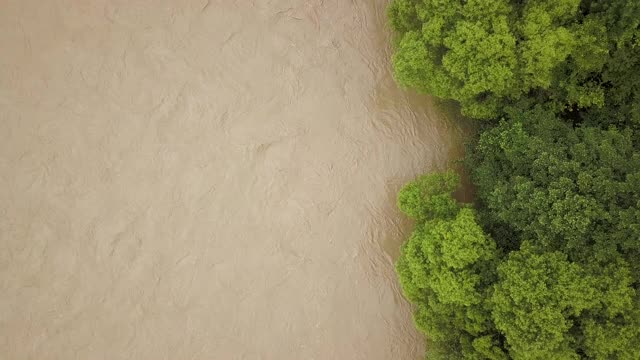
column 206, row 179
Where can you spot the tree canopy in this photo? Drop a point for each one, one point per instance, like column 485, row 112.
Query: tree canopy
column 575, row 190
column 545, row 264
column 493, row 54
column 446, row 267
column 477, row 301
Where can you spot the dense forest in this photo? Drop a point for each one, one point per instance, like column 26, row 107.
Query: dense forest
column 545, row 263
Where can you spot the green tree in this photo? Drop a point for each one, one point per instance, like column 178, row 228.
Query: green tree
column 493, row 54
column 535, row 301
column 472, row 302
column 446, row 268
column 545, row 265
column 569, row 290
column 572, row 190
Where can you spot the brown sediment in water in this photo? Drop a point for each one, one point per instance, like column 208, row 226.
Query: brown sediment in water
column 205, row 180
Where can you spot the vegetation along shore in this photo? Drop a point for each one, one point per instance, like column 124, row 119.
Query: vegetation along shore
column 545, row 262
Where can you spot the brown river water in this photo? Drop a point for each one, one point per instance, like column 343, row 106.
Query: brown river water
column 206, row 179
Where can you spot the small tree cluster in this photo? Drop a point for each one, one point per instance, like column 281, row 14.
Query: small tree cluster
column 491, row 54
column 477, row 301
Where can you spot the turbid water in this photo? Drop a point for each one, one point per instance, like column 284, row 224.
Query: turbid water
column 205, row 180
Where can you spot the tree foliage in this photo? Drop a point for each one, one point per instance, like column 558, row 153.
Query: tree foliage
column 476, row 300
column 572, row 194
column 575, row 190
column 546, row 263
column 493, row 54
column 446, row 266
column 535, row 300
column 561, row 282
